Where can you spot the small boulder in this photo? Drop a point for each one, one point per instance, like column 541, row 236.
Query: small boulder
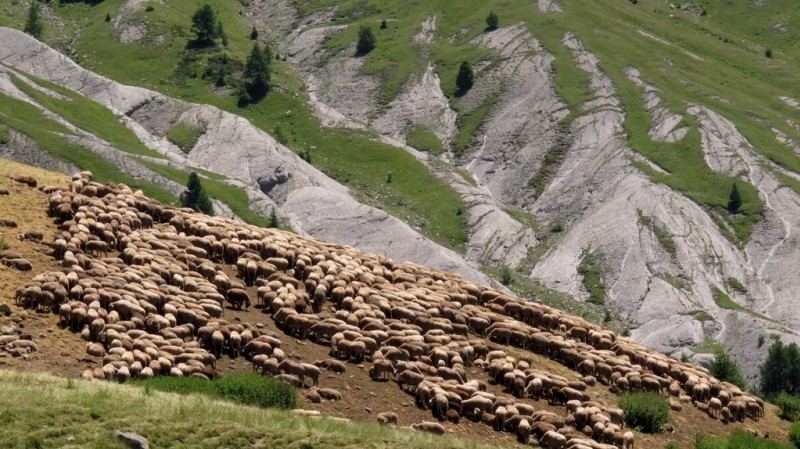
column 132, row 440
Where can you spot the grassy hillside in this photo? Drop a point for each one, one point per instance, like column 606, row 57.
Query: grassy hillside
column 57, row 412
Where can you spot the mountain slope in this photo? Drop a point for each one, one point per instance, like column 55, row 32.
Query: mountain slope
column 599, row 137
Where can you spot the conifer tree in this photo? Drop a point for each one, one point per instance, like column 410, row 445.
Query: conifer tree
column 195, row 196
column 366, row 41
column 33, row 25
column 256, row 73
column 204, row 25
column 465, row 77
column 492, row 21
column 734, row 200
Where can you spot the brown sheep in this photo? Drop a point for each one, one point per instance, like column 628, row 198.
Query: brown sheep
column 7, row 223
column 18, row 264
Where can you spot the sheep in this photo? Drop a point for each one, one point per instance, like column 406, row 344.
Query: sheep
column 430, row 427
column 388, row 418
column 18, row 264
column 329, row 394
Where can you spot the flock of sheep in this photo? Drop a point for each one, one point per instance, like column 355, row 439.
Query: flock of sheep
column 145, row 285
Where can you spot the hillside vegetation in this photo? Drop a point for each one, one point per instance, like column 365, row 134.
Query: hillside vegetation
column 61, row 412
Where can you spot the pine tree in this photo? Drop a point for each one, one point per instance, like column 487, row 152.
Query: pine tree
column 491, row 21
column 256, row 73
column 366, row 41
column 254, row 33
column 383, row 24
column 774, row 370
column 108, row 17
column 33, row 25
column 734, row 200
column 204, row 25
column 725, row 369
column 465, row 77
column 273, row 219
column 195, row 196
column 220, row 33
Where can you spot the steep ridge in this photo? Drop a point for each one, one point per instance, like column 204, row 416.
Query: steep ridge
column 250, row 156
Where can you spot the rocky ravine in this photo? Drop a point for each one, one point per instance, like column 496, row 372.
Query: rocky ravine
column 249, row 157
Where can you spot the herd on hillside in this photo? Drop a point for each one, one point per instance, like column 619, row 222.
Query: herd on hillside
column 146, row 286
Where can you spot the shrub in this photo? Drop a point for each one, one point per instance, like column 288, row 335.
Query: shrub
column 768, row 53
column 788, row 406
column 794, row 434
column 465, row 77
column 672, row 445
column 248, row 389
column 366, row 41
column 491, row 21
column 646, row 412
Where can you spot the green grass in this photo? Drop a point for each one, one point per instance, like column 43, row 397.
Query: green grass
column 234, row 197
column 56, row 413
column 709, row 346
column 675, row 281
column 738, row 439
column 466, row 175
column 247, row 389
column 734, row 284
column 469, row 122
column 522, row 216
column 185, row 135
column 589, row 269
column 700, row 315
column 664, row 238
column 551, row 162
column 424, row 139
column 48, row 134
column 725, row 301
column 87, row 115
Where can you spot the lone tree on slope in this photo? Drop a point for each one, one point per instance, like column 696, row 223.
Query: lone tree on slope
column 256, row 74
column 734, row 200
column 204, row 25
column 195, row 196
column 366, row 41
column 33, row 25
column 491, row 21
column 465, row 78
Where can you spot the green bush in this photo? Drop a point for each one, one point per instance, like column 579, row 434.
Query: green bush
column 788, row 406
column 794, row 434
column 646, row 412
column 248, row 389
